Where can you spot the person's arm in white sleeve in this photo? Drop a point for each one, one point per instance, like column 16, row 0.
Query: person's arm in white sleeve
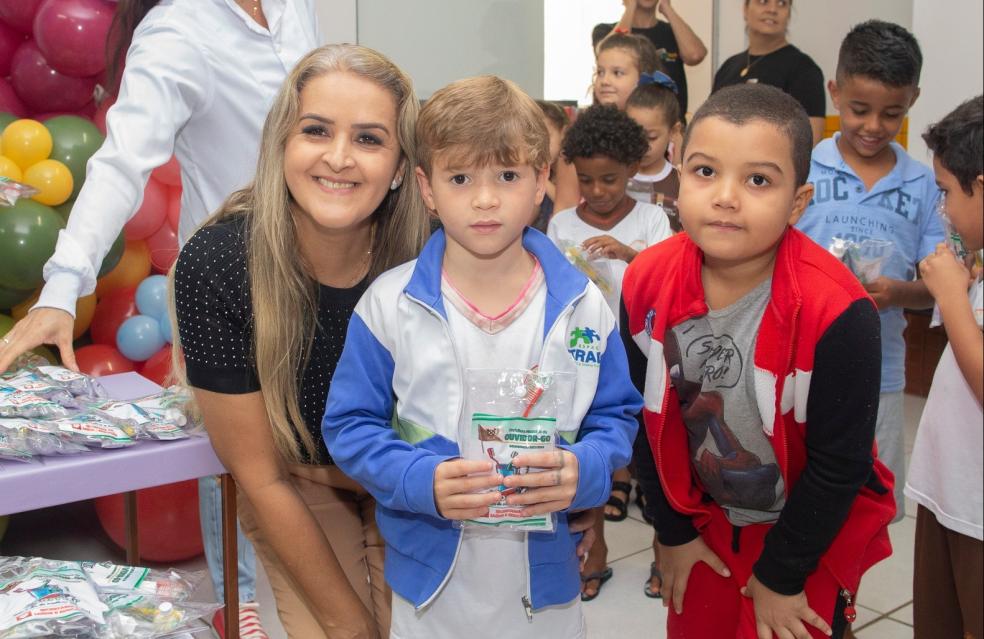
column 165, row 81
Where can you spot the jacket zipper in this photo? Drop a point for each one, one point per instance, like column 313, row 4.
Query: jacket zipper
column 850, row 614
column 454, row 353
column 528, row 598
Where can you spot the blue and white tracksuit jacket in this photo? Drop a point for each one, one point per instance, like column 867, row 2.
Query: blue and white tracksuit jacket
column 396, row 399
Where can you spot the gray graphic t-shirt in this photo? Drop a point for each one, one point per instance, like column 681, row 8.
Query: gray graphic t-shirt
column 711, row 361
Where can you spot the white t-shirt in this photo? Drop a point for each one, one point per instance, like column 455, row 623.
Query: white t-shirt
column 948, row 457
column 645, row 225
column 489, row 578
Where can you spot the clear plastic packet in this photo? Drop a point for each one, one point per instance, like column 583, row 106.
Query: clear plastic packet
column 40, row 438
column 94, row 431
column 146, row 425
column 13, row 446
column 145, row 617
column 173, row 585
column 45, row 598
column 78, row 384
column 597, row 270
column 30, row 381
column 11, row 191
column 15, row 403
column 866, row 259
column 511, row 412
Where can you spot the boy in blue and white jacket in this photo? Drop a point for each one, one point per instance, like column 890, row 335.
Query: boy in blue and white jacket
column 485, row 293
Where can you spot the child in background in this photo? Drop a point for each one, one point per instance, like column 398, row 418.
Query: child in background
column 556, row 121
column 485, row 293
column 761, row 386
column 866, row 187
column 620, row 62
column 948, row 457
column 655, row 107
column 605, row 146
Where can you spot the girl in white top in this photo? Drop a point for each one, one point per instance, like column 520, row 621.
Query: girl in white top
column 199, row 79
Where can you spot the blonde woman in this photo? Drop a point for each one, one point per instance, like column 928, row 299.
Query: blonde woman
column 263, row 293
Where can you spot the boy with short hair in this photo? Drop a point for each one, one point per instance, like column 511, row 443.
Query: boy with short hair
column 759, row 354
column 948, row 457
column 486, row 293
column 866, row 187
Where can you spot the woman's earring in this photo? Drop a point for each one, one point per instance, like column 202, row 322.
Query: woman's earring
column 395, row 184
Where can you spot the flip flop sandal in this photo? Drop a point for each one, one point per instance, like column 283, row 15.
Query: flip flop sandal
column 601, row 576
column 620, row 504
column 640, row 501
column 647, row 589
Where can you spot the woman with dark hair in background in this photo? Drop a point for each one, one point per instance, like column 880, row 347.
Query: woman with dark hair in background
column 771, row 59
column 199, row 78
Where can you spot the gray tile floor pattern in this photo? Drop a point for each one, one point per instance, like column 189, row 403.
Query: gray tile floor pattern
column 621, row 610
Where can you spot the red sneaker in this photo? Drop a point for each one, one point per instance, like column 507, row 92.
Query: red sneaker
column 249, row 622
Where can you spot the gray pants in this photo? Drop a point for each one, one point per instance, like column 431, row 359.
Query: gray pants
column 890, row 437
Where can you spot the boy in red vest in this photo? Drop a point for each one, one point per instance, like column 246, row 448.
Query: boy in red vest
column 760, row 358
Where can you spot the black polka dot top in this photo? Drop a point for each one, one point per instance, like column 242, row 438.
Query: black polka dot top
column 214, row 309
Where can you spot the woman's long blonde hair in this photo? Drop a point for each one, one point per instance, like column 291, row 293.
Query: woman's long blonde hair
column 284, row 294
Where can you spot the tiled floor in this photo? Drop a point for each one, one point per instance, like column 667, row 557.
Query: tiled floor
column 622, row 611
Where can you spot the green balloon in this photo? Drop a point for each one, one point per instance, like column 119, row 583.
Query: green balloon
column 28, row 234
column 74, row 140
column 115, row 254
column 11, row 297
column 5, row 119
column 64, row 209
column 6, row 323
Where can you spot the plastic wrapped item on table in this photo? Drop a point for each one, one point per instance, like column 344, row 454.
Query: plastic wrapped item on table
column 146, row 617
column 94, row 431
column 11, row 191
column 509, row 413
column 16, row 403
column 866, row 259
column 175, row 585
column 45, row 598
column 13, row 446
column 78, row 384
column 30, row 381
column 41, row 438
column 146, row 425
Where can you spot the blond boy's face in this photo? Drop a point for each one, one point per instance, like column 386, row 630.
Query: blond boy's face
column 738, row 190
column 484, row 209
column 965, row 210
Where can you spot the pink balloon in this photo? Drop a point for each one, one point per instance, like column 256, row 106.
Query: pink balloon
column 44, row 89
column 163, row 245
column 99, row 117
column 174, row 206
column 72, row 35
column 151, row 213
column 169, row 173
column 9, row 102
column 10, row 39
column 19, row 13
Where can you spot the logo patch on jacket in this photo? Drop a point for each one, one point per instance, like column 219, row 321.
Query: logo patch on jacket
column 585, row 346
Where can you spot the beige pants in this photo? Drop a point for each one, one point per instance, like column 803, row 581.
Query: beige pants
column 345, row 512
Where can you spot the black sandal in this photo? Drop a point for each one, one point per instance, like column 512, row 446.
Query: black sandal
column 621, row 504
column 647, row 589
column 601, row 576
column 640, row 501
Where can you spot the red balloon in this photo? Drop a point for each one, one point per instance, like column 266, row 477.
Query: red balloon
column 19, row 13
column 112, row 309
column 100, row 359
column 99, row 116
column 44, row 89
column 174, row 206
column 158, row 367
column 85, row 112
column 151, row 213
column 9, row 102
column 10, row 39
column 169, row 173
column 167, row 520
column 163, row 245
column 72, row 35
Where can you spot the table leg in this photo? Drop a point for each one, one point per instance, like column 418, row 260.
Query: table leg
column 230, row 557
column 132, row 536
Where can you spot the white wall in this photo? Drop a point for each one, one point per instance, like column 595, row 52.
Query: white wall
column 952, row 43
column 338, row 20
column 438, row 41
column 817, row 27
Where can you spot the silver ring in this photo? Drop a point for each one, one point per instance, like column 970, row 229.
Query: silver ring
column 6, row 341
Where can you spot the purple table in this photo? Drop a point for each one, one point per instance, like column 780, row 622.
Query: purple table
column 62, row 480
